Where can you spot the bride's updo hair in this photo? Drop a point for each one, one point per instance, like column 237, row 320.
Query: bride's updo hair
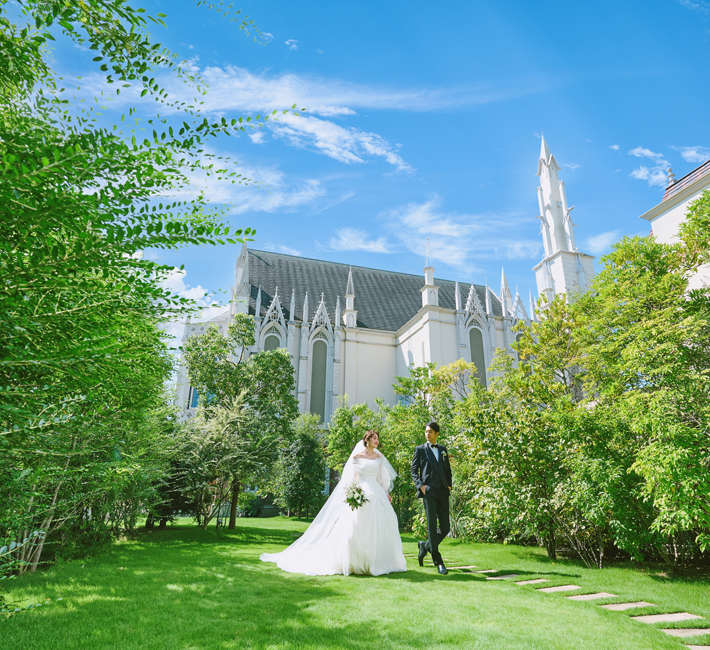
column 369, row 435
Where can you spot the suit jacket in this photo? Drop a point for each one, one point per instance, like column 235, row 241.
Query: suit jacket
column 425, row 467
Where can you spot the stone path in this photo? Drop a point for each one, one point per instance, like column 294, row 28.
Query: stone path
column 681, row 633
column 665, row 618
column 601, row 594
column 688, row 631
column 620, row 607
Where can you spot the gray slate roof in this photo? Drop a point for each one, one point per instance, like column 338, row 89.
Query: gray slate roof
column 384, row 300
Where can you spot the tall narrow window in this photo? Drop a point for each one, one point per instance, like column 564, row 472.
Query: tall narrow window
column 475, row 339
column 271, row 343
column 193, row 398
column 318, row 367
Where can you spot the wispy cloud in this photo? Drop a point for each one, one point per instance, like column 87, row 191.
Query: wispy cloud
column 353, row 239
column 459, row 239
column 601, row 243
column 282, row 249
column 571, row 165
column 615, row 147
column 292, row 44
column 345, row 144
column 277, row 193
column 653, row 175
column 694, row 154
column 236, row 88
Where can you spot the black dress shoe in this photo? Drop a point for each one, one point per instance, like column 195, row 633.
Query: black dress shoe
column 442, row 570
column 422, row 553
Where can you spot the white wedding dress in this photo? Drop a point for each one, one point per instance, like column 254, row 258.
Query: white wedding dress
column 344, row 541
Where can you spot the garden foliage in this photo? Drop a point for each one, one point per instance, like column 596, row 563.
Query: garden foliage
column 86, row 433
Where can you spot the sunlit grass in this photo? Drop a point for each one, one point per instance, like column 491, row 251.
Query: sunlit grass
column 188, row 588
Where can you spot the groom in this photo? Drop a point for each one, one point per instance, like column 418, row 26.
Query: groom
column 431, row 473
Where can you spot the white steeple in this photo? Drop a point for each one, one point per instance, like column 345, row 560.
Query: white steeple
column 292, row 307
column 350, row 313
column 563, row 269
column 430, row 292
column 553, row 201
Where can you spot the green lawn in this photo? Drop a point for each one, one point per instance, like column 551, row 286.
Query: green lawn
column 185, row 588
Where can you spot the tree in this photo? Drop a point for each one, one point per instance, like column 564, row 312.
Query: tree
column 300, row 471
column 226, row 445
column 220, row 368
column 83, row 359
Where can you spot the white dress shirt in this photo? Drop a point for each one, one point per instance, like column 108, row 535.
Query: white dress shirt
column 434, row 450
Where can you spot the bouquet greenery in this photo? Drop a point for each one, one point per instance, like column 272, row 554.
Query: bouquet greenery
column 355, row 497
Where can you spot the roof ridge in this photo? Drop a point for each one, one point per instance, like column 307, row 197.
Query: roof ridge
column 354, row 266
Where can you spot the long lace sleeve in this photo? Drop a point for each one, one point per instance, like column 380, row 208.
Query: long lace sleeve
column 386, row 474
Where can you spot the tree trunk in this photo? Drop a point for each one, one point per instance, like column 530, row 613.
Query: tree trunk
column 233, row 509
column 550, row 544
column 149, row 522
column 163, row 523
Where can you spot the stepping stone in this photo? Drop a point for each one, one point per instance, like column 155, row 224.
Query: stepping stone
column 510, row 575
column 469, row 566
column 620, row 607
column 665, row 618
column 487, row 571
column 532, row 582
column 689, row 631
column 697, row 647
column 601, row 594
column 552, row 590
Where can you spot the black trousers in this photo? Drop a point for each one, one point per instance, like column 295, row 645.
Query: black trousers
column 436, row 507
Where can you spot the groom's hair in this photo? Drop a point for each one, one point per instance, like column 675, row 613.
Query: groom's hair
column 433, row 425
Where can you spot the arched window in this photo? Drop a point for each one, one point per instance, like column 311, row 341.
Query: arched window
column 518, row 338
column 478, row 357
column 272, row 342
column 318, row 376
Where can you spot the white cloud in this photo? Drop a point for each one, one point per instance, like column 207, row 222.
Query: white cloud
column 281, row 249
column 643, row 152
column 276, row 194
column 654, row 175
column 175, row 282
column 571, row 165
column 353, row 239
column 292, row 44
column 267, row 35
column 345, row 144
column 458, row 239
column 257, row 137
column 615, row 147
column 320, row 51
column 601, row 243
column 694, row 154
column 235, row 88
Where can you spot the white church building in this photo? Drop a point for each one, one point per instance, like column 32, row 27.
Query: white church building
column 350, row 330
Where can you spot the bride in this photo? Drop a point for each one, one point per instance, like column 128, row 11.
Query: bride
column 341, row 540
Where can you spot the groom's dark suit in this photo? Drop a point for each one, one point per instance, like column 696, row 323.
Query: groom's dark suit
column 436, row 475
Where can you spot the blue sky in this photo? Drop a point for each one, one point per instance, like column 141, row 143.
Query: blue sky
column 426, row 122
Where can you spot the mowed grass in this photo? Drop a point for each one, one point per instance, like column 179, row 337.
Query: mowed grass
column 185, row 588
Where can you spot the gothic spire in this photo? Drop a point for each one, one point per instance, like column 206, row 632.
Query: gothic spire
column 292, row 307
column 305, row 309
column 457, row 296
column 350, row 290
